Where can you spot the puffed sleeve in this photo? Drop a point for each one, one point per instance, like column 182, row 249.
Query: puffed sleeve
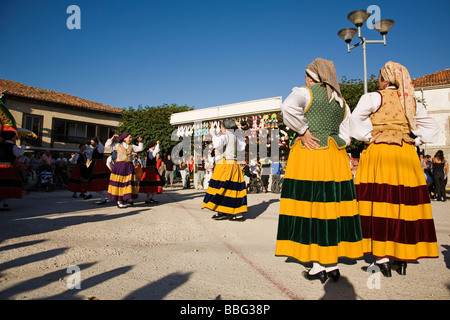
column 344, row 127
column 360, row 125
column 110, row 145
column 220, row 141
column 428, row 128
column 138, row 148
column 100, row 147
column 293, row 109
column 18, row 152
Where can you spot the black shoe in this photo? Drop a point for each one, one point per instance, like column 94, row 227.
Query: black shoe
column 236, row 218
column 220, row 216
column 385, row 268
column 88, row 197
column 102, row 202
column 322, row 276
column 82, row 195
column 400, row 267
column 334, row 274
column 74, row 196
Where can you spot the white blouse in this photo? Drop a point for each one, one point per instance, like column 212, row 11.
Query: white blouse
column 361, row 126
column 152, row 153
column 113, row 146
column 18, row 152
column 89, row 150
column 220, row 141
column 293, row 113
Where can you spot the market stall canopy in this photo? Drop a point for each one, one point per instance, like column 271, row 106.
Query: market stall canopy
column 236, row 110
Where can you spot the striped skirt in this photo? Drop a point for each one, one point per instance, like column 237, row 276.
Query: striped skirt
column 151, row 181
column 10, row 182
column 318, row 219
column 394, row 204
column 98, row 176
column 226, row 191
column 123, row 184
column 76, row 184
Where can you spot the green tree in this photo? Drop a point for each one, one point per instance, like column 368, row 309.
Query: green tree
column 352, row 90
column 152, row 124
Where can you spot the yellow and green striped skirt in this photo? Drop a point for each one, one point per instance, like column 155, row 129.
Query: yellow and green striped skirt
column 394, row 204
column 227, row 192
column 319, row 220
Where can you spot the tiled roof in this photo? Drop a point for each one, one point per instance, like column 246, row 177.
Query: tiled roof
column 22, row 90
column 435, row 79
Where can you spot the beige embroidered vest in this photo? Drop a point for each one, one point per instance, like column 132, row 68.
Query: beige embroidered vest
column 124, row 154
column 390, row 119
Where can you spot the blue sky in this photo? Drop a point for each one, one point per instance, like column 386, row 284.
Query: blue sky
column 206, row 53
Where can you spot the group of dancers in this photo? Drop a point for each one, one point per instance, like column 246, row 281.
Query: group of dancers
column 119, row 182
column 325, row 213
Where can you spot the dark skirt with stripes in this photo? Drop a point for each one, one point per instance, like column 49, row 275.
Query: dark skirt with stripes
column 151, row 181
column 10, row 183
column 227, row 192
column 76, row 183
column 123, row 184
column 98, row 176
column 394, row 204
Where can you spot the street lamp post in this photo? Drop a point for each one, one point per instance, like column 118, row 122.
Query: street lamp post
column 358, row 18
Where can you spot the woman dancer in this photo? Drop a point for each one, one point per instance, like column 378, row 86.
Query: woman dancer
column 151, row 182
column 123, row 185
column 227, row 193
column 78, row 174
column 319, row 219
column 392, row 193
column 98, row 172
column 10, row 182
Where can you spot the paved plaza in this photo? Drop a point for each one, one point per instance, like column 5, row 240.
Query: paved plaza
column 56, row 247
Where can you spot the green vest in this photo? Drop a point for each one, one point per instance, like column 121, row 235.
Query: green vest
column 324, row 118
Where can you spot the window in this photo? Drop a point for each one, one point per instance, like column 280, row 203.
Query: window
column 79, row 132
column 34, row 123
column 105, row 133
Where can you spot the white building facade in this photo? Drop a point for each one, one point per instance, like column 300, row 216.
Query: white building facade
column 434, row 91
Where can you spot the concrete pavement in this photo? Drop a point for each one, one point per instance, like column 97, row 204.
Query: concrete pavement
column 56, row 247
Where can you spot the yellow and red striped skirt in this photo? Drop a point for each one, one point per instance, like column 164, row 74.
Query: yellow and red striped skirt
column 318, row 219
column 394, row 204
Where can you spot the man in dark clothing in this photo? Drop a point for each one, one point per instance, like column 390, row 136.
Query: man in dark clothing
column 168, row 167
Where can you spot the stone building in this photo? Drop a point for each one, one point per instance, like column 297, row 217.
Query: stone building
column 61, row 121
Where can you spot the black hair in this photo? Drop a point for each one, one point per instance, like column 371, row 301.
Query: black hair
column 229, row 124
column 8, row 135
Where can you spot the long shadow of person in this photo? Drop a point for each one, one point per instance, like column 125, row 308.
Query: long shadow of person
column 340, row 290
column 446, row 254
column 159, row 289
column 258, row 209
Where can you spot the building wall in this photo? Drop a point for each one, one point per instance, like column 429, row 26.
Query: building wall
column 437, row 100
column 48, row 113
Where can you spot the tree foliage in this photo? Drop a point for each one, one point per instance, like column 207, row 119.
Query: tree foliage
column 152, row 124
column 352, row 90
